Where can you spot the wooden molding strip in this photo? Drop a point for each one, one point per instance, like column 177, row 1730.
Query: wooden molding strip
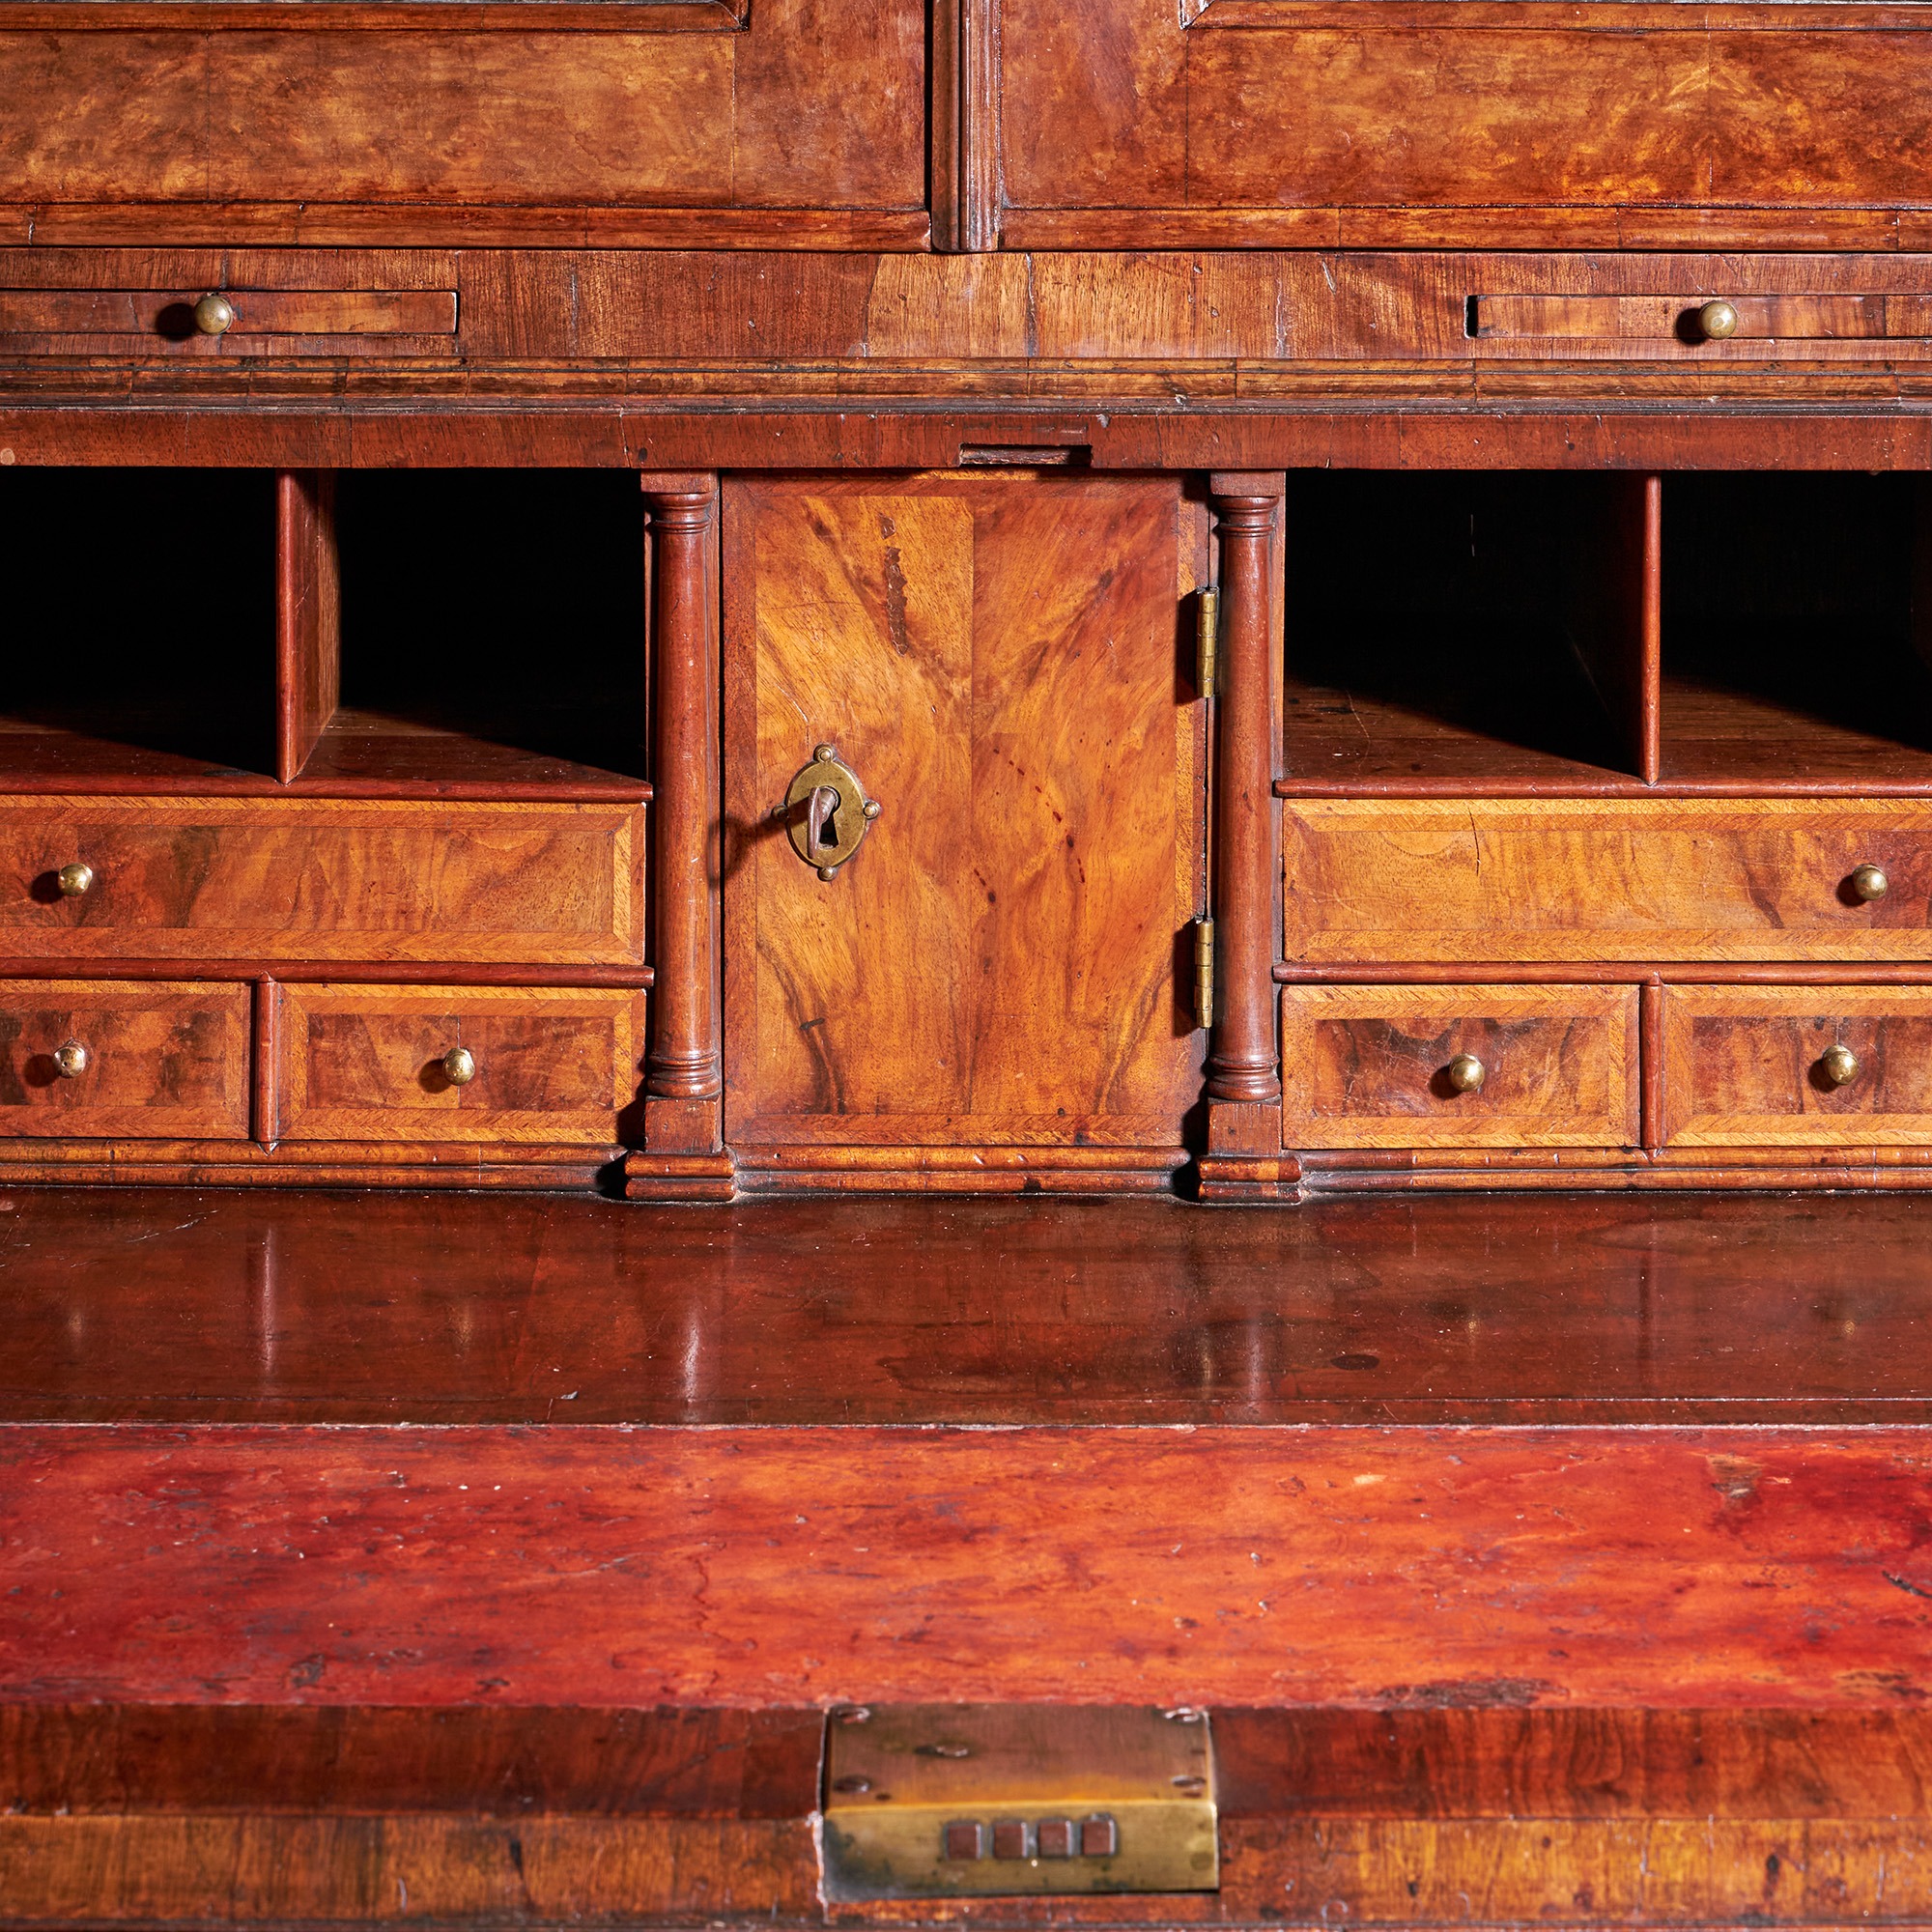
column 388, row 16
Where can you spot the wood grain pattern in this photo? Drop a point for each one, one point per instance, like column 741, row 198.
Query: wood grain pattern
column 184, row 878
column 141, row 1304
column 1604, row 880
column 801, row 109
column 364, row 1064
column 1675, row 1569
column 1365, row 1067
column 308, row 616
column 996, row 656
column 1400, row 1815
column 1741, row 1066
column 1319, row 124
column 161, row 313
column 162, row 1059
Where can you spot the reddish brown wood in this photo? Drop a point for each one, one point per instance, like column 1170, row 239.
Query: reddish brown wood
column 308, row 616
column 684, row 1067
column 1681, row 1569
column 264, row 1121
column 137, row 1304
column 1244, row 1065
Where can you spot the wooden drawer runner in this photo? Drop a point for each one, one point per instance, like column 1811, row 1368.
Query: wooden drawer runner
column 1750, row 1066
column 309, row 879
column 368, row 1062
column 1605, row 879
column 160, row 1059
column 1369, row 1066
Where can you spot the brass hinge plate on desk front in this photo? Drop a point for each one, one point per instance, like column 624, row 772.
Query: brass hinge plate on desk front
column 950, row 1801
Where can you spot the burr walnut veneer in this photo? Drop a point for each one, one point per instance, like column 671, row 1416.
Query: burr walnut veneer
column 1360, row 567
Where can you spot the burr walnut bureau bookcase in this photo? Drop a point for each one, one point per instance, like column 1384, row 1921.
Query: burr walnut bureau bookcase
column 715, row 596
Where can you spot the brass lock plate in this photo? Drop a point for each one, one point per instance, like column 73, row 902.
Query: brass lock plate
column 952, row 1801
column 826, row 811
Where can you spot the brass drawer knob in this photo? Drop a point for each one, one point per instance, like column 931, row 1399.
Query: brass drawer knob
column 214, row 315
column 1466, row 1073
column 73, row 880
column 1718, row 321
column 1839, row 1065
column 1869, row 882
column 70, row 1060
column 459, row 1067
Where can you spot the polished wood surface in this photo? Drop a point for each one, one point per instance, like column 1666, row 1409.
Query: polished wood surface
column 1744, row 1065
column 308, row 617
column 1438, row 126
column 1039, row 851
column 367, row 1063
column 162, row 1058
column 423, row 126
column 684, row 1085
column 1365, row 1067
column 214, row 1306
column 181, row 878
column 1244, row 1065
column 1603, row 879
column 1413, row 1814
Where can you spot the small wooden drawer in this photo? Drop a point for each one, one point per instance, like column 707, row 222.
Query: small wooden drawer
column 258, row 322
column 106, row 1058
column 1379, row 1067
column 375, row 1063
column 323, row 879
column 1797, row 1066
column 1426, row 880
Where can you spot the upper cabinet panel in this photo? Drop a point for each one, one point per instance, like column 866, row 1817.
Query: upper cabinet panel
column 1426, row 123
column 622, row 123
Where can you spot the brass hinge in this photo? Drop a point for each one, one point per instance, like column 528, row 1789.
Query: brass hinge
column 1206, row 639
column 1204, row 972
column 945, row 1801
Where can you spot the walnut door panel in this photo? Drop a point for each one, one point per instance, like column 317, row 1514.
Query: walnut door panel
column 996, row 657
column 320, row 879
column 418, row 126
column 1605, row 879
column 1348, row 122
column 1768, row 1066
column 94, row 1058
column 1371, row 1067
column 373, row 1064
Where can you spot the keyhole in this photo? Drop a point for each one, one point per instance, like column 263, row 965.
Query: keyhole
column 823, row 818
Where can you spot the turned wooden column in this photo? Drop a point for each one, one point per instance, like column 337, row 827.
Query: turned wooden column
column 1243, row 1062
column 683, row 1071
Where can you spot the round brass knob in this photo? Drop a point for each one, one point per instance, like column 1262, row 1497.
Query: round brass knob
column 73, row 880
column 214, row 315
column 459, row 1065
column 1839, row 1065
column 1869, row 882
column 1718, row 321
column 70, row 1060
column 1466, row 1073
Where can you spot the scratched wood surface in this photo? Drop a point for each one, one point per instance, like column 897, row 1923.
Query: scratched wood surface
column 365, row 1063
column 1605, row 879
column 997, row 658
column 185, row 878
column 1684, row 1568
column 1365, row 1067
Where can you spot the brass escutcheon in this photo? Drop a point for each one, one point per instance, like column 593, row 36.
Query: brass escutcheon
column 826, row 811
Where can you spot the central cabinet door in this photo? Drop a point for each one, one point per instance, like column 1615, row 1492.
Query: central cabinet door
column 998, row 658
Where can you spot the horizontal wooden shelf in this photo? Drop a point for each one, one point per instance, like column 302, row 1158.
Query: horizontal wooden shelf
column 141, row 1305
